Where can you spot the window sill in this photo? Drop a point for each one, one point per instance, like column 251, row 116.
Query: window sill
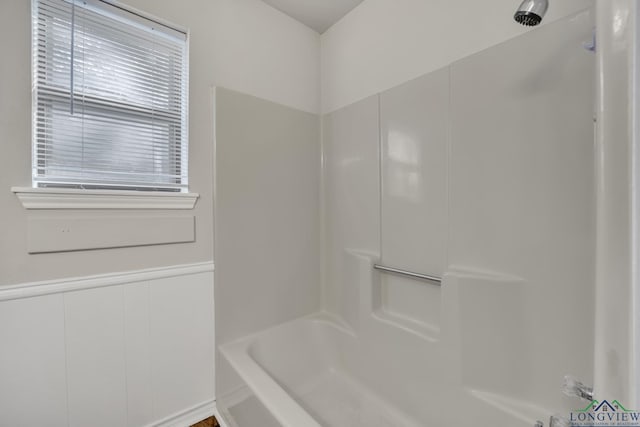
column 56, row 198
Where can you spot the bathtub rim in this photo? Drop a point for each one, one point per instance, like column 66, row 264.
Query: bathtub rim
column 272, row 395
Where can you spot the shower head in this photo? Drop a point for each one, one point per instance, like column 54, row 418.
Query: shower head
column 531, row 12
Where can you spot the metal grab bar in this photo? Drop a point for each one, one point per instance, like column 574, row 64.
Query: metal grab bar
column 433, row 279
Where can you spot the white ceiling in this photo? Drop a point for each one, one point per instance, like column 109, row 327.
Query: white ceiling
column 317, row 14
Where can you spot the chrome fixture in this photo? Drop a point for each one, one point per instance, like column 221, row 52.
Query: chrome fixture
column 531, row 12
column 433, row 279
column 572, row 387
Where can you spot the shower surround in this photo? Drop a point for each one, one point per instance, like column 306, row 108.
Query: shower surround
column 481, row 173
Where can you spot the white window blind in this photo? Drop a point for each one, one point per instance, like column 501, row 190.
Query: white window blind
column 110, row 98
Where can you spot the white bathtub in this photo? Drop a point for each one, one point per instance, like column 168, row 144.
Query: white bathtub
column 300, row 372
column 319, row 371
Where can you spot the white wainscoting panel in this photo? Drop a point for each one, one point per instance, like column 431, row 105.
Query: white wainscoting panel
column 137, row 335
column 33, row 389
column 181, row 342
column 122, row 350
column 96, row 373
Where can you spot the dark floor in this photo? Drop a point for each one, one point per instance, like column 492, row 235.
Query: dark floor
column 209, row 422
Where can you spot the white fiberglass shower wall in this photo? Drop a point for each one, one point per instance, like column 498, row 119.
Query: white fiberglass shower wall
column 483, row 173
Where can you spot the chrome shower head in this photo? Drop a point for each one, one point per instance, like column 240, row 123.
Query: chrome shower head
column 531, row 12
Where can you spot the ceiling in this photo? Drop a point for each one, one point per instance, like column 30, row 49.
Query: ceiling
column 317, row 14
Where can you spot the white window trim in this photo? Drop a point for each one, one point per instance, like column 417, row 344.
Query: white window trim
column 57, row 198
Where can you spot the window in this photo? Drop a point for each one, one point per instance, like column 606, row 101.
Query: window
column 110, row 98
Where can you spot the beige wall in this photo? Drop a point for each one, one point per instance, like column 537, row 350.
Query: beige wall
column 241, row 44
column 381, row 43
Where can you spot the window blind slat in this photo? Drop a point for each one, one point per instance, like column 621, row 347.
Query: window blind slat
column 130, row 77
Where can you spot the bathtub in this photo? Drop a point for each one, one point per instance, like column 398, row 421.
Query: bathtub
column 378, row 370
column 315, row 371
column 302, row 372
